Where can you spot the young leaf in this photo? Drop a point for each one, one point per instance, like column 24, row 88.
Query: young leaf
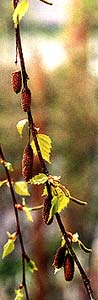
column 19, row 294
column 27, row 211
column 44, row 142
column 8, row 165
column 21, row 188
column 2, row 182
column 41, row 178
column 59, row 202
column 20, row 11
column 20, row 125
column 8, row 248
column 32, row 266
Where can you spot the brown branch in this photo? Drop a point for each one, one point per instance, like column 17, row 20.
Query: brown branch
column 17, row 222
column 46, row 2
column 43, row 165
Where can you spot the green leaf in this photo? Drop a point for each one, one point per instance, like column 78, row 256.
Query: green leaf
column 21, row 188
column 28, row 213
column 59, row 202
column 19, row 294
column 45, row 192
column 27, row 210
column 8, row 165
column 3, row 182
column 32, row 266
column 44, row 142
column 20, row 125
column 20, row 11
column 8, row 248
column 41, row 178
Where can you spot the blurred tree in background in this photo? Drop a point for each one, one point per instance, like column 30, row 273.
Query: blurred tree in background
column 65, row 106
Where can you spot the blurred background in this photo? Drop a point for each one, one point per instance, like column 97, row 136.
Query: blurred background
column 60, row 46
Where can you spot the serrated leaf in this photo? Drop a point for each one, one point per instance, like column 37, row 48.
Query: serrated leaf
column 21, row 188
column 59, row 202
column 3, row 182
column 20, row 125
column 8, row 248
column 44, row 142
column 20, row 11
column 41, row 178
column 32, row 266
column 19, row 294
column 8, row 165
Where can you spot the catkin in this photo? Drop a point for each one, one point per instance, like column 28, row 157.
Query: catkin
column 46, row 211
column 59, row 257
column 27, row 163
column 68, row 267
column 26, row 99
column 16, row 80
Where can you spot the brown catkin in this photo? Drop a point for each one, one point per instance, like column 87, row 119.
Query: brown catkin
column 46, row 210
column 26, row 99
column 16, row 80
column 59, row 257
column 68, row 267
column 27, row 163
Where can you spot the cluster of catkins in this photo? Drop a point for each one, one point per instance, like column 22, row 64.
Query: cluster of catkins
column 27, row 161
column 25, row 94
column 64, row 259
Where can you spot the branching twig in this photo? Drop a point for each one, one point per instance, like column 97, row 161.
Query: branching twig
column 18, row 224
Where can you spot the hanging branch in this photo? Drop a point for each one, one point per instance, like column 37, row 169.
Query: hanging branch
column 44, row 170
column 18, row 224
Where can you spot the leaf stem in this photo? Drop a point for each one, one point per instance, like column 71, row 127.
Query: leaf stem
column 37, row 207
column 77, row 201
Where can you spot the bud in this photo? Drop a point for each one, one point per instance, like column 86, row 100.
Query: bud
column 68, row 267
column 59, row 257
column 27, row 163
column 46, row 210
column 26, row 99
column 16, row 81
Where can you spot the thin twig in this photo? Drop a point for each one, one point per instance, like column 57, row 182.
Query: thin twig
column 46, row 2
column 18, row 224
